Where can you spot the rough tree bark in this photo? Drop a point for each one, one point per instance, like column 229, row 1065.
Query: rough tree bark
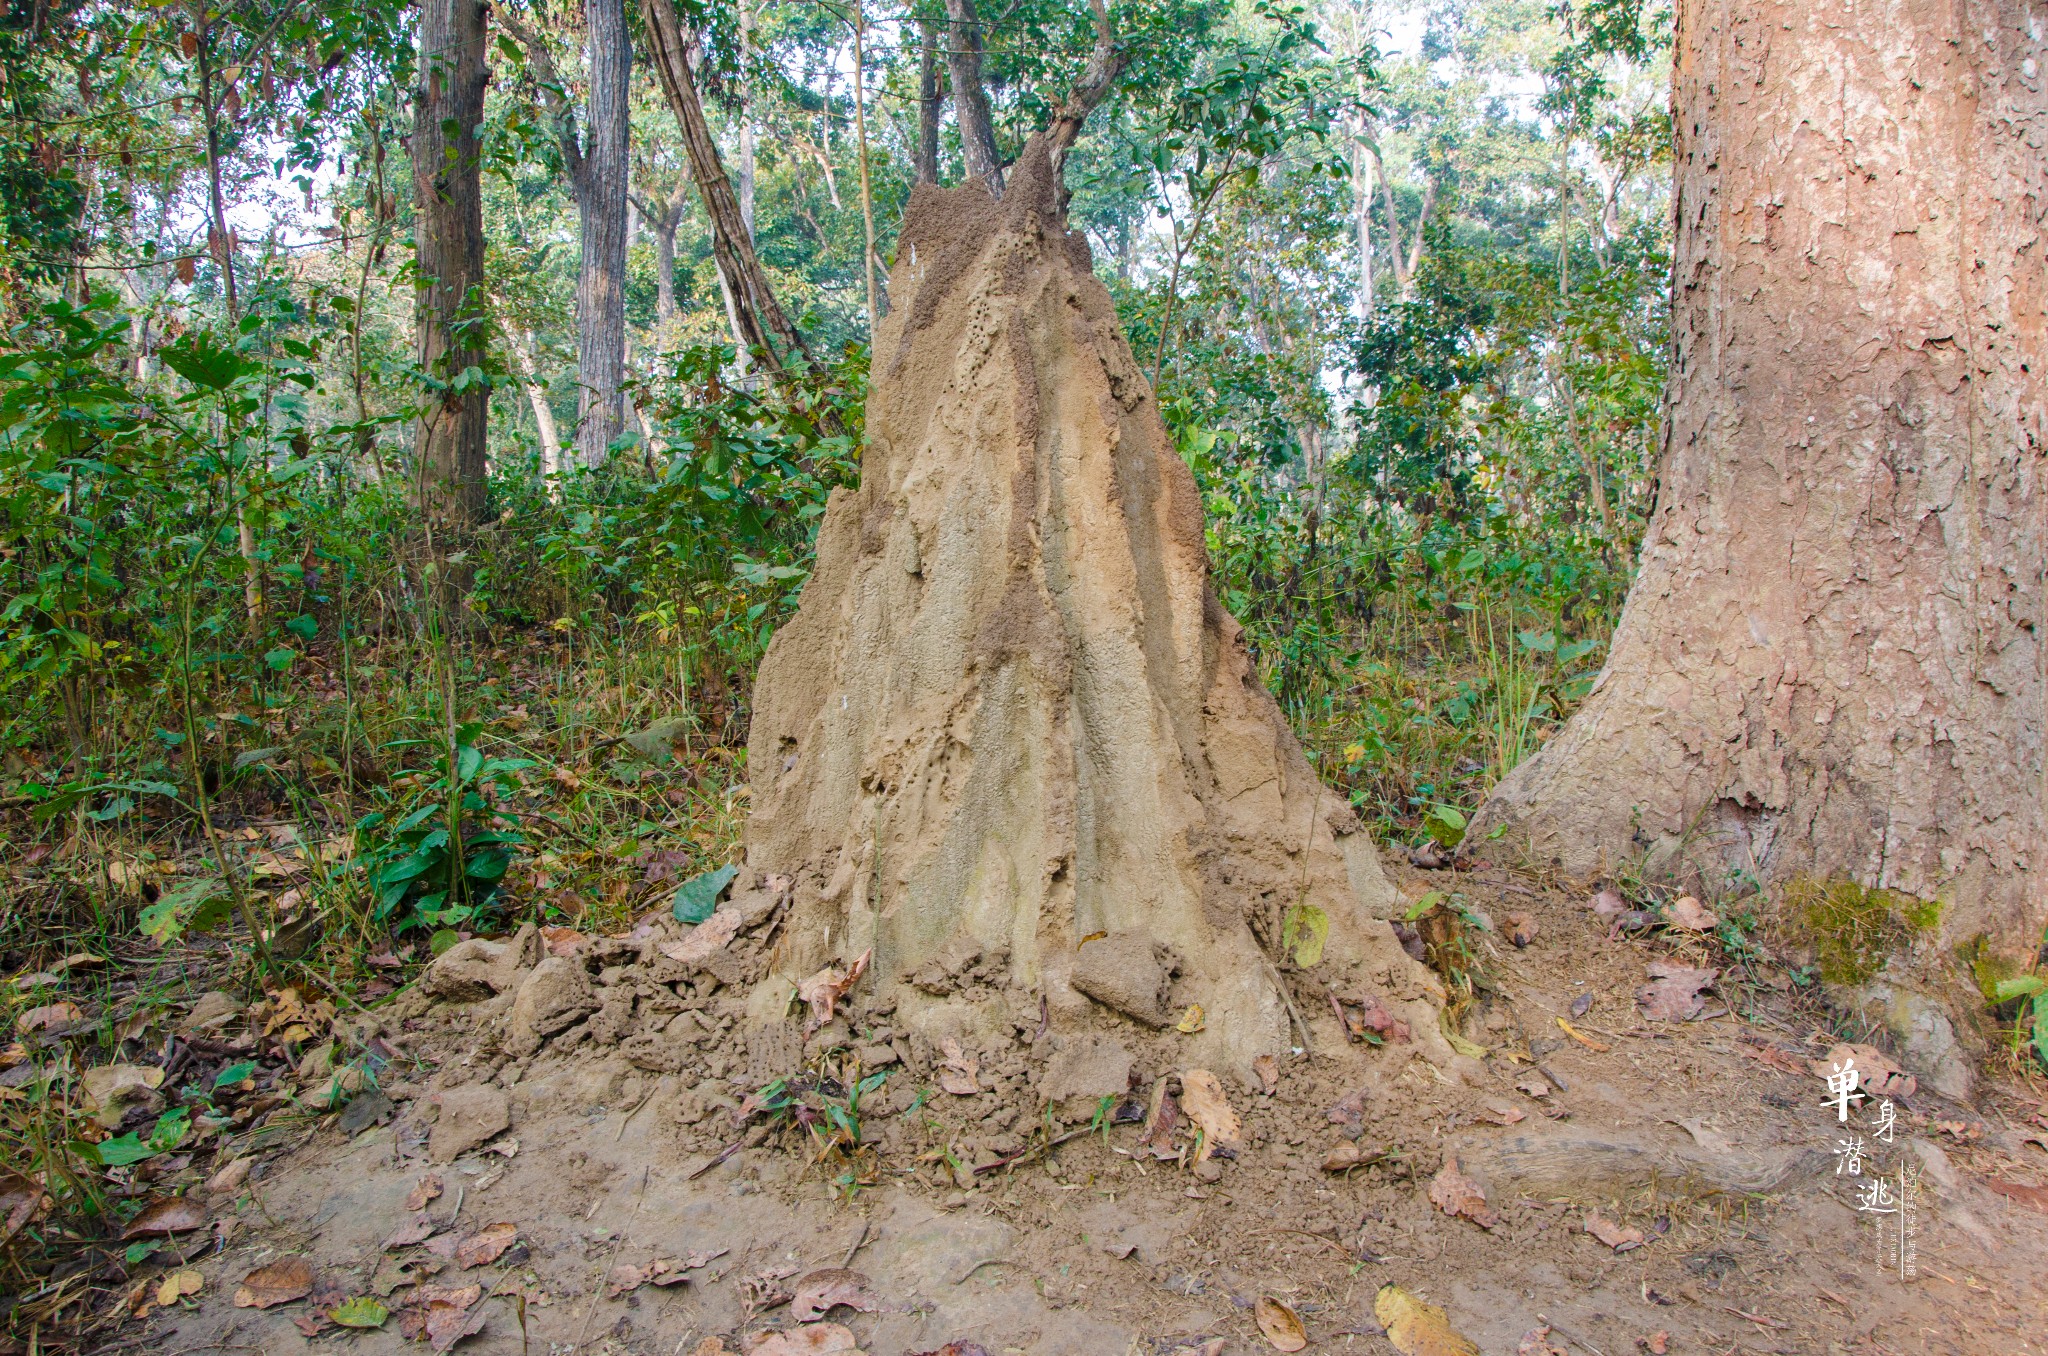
column 663, row 216
column 1011, row 738
column 928, row 100
column 597, row 170
column 601, row 200
column 1830, row 664
column 448, row 107
column 970, row 95
column 763, row 325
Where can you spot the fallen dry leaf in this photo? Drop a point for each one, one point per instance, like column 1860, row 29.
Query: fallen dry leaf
column 1191, row 1021
column 707, row 939
column 1535, row 1085
column 1502, row 1114
column 1267, row 1070
column 1162, row 1119
column 1280, row 1324
column 49, row 1015
column 823, row 990
column 178, row 1284
column 1373, row 1017
column 447, row 1325
column 959, row 1070
column 820, row 1292
column 1202, row 1097
column 281, row 1282
column 1657, row 1343
column 1781, row 1060
column 1674, row 993
column 165, row 1216
column 1881, row 1074
column 1607, row 903
column 560, row 941
column 813, row 1339
column 418, row 1230
column 1212, row 1347
column 1452, row 1192
column 1344, row 1157
column 20, row 1197
column 1619, row 1237
column 1582, row 1005
column 486, row 1245
column 426, row 1189
column 1597, row 1047
column 1536, row 1342
column 1690, row 915
column 1521, row 928
column 1415, row 1328
column 2034, row 1196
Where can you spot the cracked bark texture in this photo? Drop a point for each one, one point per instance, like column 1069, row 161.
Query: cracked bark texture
column 1010, row 712
column 1831, row 662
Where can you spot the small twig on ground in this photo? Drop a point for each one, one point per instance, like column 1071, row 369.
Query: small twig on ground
column 1568, row 1335
column 859, row 1241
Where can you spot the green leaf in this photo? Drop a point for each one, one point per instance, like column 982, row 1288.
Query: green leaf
column 697, row 900
column 233, row 1074
column 2020, row 986
column 2041, row 1026
column 195, row 906
column 359, row 1312
column 442, row 940
column 203, row 362
column 1423, row 906
column 280, row 659
column 303, row 626
column 1302, row 934
column 119, row 1153
column 141, row 1250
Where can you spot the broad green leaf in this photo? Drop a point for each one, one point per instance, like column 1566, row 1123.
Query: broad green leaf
column 697, row 900
column 1302, row 934
column 2020, row 986
column 359, row 1312
column 233, row 1074
column 119, row 1153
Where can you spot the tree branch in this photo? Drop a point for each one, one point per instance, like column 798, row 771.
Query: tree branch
column 549, row 81
column 1105, row 64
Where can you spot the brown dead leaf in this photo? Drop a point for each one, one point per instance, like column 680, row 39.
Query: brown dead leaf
column 977, row 1349
column 1520, row 928
column 426, row 1189
column 1373, row 1017
column 281, row 1282
column 1881, row 1074
column 165, row 1216
column 49, row 1015
column 1452, row 1192
column 1619, row 1237
column 959, row 1070
column 1657, row 1343
column 1502, row 1114
column 823, row 990
column 1202, row 1097
column 1418, row 1329
column 707, row 939
column 819, row 1292
column 1267, row 1070
column 1689, row 915
column 711, row 1346
column 419, row 1230
column 2036, row 1197
column 1607, row 903
column 1162, row 1119
column 813, row 1339
column 1674, row 993
column 560, row 941
column 1597, row 1047
column 1781, row 1060
column 21, row 1197
column 1344, row 1157
column 1535, row 1085
column 176, row 1285
column 446, row 1325
column 1536, row 1342
column 1280, row 1324
column 486, row 1245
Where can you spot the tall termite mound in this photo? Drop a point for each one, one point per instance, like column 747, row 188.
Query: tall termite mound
column 1010, row 721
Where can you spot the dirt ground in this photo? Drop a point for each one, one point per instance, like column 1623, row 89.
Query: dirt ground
column 1700, row 1149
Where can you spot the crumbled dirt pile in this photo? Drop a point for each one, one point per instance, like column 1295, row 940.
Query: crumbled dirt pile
column 1010, row 714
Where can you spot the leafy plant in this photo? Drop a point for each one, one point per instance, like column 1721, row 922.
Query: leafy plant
column 427, row 866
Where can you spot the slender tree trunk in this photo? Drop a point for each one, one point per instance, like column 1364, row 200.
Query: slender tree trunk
column 860, row 124
column 1361, row 211
column 448, row 107
column 601, row 198
column 1830, row 665
column 522, row 345
column 970, row 96
column 746, row 157
column 759, row 317
column 927, row 164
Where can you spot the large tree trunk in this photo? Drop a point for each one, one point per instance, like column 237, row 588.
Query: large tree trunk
column 1830, row 664
column 451, row 317
column 927, row 160
column 755, row 311
column 970, row 95
column 601, row 200
column 1010, row 722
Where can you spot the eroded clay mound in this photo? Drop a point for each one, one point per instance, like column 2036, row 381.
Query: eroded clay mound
column 1010, row 715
